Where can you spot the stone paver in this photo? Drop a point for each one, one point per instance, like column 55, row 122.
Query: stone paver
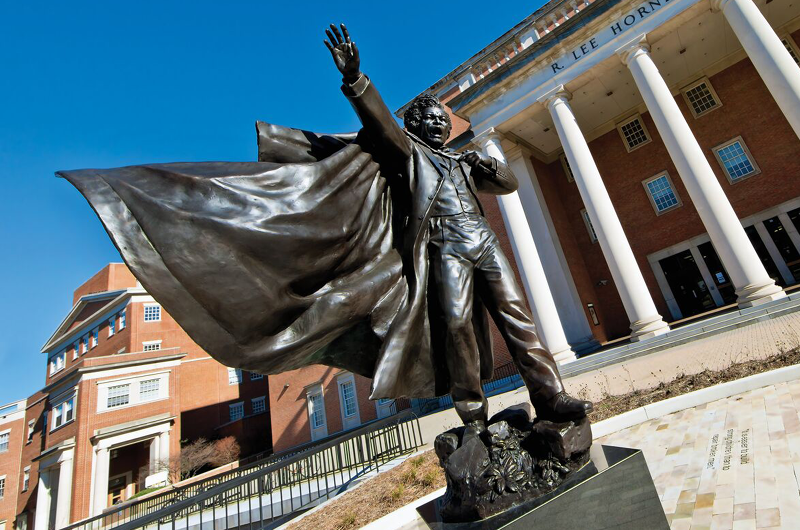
column 728, row 464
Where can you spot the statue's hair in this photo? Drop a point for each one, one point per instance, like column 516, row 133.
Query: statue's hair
column 413, row 115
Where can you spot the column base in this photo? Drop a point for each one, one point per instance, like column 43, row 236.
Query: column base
column 587, row 346
column 564, row 356
column 647, row 329
column 753, row 295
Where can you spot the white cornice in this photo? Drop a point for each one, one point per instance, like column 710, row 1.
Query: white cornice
column 66, row 335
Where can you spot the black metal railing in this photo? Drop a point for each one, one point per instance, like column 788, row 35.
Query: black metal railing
column 262, row 494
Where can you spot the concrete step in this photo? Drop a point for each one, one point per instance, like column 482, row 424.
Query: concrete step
column 689, row 332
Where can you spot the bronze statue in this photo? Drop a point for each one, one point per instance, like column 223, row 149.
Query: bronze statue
column 467, row 268
column 364, row 251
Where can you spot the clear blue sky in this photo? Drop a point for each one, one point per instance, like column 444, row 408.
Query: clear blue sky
column 110, row 83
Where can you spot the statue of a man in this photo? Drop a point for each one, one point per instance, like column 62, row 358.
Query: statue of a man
column 368, row 252
column 444, row 216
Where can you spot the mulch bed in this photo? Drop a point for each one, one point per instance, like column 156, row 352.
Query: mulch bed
column 422, row 475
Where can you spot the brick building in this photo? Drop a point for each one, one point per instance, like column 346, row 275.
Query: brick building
column 124, row 386
column 655, row 143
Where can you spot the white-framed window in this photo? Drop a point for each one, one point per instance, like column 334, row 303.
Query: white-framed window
column 661, row 193
column 31, row 427
column 149, row 389
column 111, row 323
column 234, row 376
column 791, row 47
column 63, row 413
column 633, row 132
column 131, row 391
column 589, row 227
column 259, row 404
column 84, row 344
column 152, row 313
column 76, row 350
column 95, row 335
column 26, row 478
column 700, row 97
column 3, row 489
column 4, row 438
column 736, row 161
column 57, row 362
column 566, row 168
column 151, row 345
column 236, row 411
column 122, row 321
column 256, row 377
column 118, row 396
column 316, row 409
column 348, row 393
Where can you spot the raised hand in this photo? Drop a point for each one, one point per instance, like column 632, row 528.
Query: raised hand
column 473, row 158
column 344, row 52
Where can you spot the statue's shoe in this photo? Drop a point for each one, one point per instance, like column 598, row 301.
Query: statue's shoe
column 562, row 407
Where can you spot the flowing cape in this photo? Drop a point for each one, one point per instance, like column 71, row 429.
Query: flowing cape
column 269, row 265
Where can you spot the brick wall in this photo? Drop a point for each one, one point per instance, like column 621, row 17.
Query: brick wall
column 10, row 467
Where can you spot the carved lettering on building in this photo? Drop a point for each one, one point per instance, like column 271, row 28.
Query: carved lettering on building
column 631, row 19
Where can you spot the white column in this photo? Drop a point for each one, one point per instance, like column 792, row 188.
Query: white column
column 100, row 480
column 42, row 501
column 645, row 322
column 753, row 285
column 163, row 450
column 543, row 307
column 64, row 496
column 772, row 61
column 570, row 307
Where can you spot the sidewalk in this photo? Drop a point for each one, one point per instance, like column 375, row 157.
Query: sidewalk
column 732, row 463
column 715, row 352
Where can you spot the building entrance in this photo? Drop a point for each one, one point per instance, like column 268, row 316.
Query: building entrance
column 763, row 255
column 688, row 287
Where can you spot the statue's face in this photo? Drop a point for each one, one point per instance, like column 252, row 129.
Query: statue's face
column 434, row 128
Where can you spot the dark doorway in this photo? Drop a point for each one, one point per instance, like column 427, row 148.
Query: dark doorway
column 721, row 279
column 763, row 255
column 687, row 284
column 785, row 245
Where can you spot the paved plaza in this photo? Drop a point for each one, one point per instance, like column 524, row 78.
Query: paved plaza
column 732, row 463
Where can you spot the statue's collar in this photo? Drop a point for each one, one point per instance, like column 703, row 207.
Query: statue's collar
column 443, row 151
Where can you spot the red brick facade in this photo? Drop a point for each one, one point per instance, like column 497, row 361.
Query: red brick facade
column 767, row 134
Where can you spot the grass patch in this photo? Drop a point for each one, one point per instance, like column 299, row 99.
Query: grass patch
column 422, row 475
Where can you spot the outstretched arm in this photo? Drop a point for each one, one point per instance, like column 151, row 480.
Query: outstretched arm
column 491, row 175
column 376, row 118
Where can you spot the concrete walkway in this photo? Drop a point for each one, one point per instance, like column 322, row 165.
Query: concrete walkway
column 757, row 340
column 732, row 463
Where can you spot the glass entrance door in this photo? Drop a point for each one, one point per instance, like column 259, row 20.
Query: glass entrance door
column 763, row 255
column 687, row 284
column 718, row 273
column 784, row 245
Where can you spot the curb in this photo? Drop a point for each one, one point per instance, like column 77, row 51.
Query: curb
column 693, row 399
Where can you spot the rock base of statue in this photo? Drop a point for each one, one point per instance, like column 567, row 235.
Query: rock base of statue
column 514, row 461
column 613, row 490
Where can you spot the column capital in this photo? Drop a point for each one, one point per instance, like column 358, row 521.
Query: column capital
column 554, row 95
column 719, row 5
column 515, row 152
column 490, row 135
column 633, row 48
